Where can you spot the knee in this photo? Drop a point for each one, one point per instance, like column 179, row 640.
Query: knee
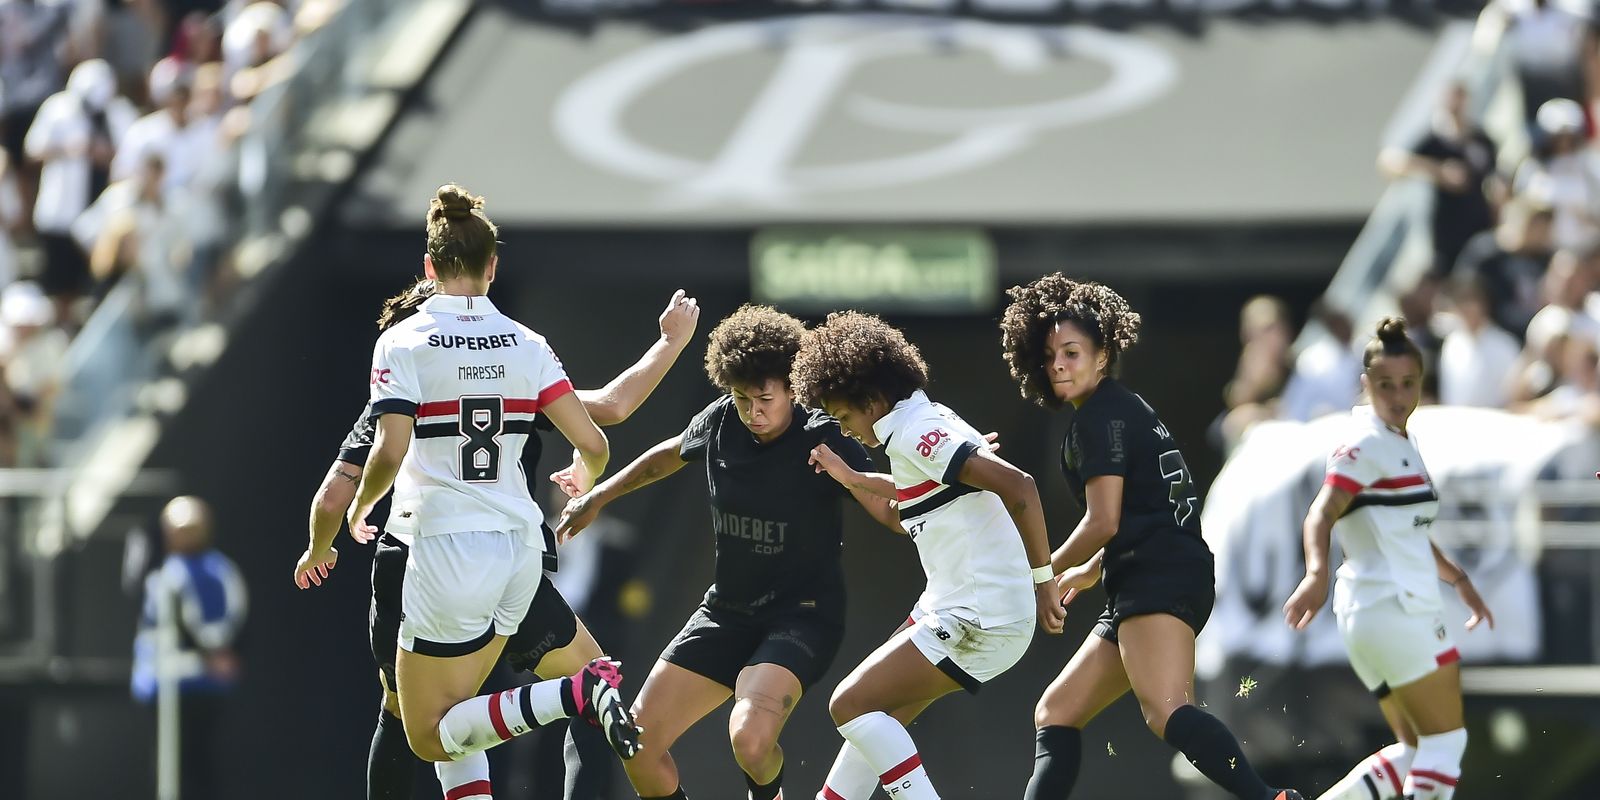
column 752, row 744
column 424, row 741
column 1157, row 712
column 844, row 706
column 1044, row 716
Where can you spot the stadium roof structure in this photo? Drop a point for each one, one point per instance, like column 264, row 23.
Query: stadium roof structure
column 906, row 118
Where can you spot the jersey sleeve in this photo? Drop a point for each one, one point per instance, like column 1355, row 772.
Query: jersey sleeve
column 553, row 383
column 1102, row 444
column 1352, row 466
column 395, row 387
column 933, row 449
column 358, row 442
column 697, row 436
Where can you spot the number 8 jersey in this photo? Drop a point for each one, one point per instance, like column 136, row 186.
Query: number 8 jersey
column 1116, row 432
column 474, row 379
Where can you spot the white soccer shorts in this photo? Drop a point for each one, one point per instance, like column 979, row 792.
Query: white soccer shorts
column 970, row 655
column 1392, row 647
column 463, row 588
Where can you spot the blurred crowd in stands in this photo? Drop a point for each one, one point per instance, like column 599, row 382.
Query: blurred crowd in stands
column 119, row 120
column 1508, row 310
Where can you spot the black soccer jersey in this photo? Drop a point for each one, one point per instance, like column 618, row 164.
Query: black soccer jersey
column 778, row 522
column 1116, row 432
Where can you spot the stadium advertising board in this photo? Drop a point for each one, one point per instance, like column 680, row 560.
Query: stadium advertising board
column 891, row 270
column 1024, row 9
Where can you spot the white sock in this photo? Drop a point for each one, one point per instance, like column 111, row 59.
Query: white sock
column 1382, row 771
column 893, row 755
column 479, row 723
column 467, row 779
column 851, row 778
column 1437, row 765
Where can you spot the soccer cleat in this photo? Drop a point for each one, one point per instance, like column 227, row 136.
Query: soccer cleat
column 595, row 694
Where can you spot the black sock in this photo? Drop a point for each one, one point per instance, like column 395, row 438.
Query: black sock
column 1057, row 753
column 589, row 758
column 676, row 795
column 767, row 791
column 391, row 766
column 568, row 704
column 1212, row 749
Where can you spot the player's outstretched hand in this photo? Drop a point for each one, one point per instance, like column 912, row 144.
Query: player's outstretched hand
column 823, row 459
column 1306, row 601
column 314, row 567
column 993, row 438
column 678, row 320
column 359, row 529
column 1474, row 602
column 566, row 480
column 579, row 514
column 1052, row 613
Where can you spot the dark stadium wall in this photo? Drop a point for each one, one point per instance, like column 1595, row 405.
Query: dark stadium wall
column 261, row 428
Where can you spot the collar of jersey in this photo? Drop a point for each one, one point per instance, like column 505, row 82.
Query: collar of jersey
column 886, row 424
column 459, row 304
column 1367, row 414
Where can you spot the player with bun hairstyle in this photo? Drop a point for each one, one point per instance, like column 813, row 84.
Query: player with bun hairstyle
column 551, row 641
column 1379, row 499
column 455, row 390
column 1063, row 340
column 772, row 622
column 979, row 531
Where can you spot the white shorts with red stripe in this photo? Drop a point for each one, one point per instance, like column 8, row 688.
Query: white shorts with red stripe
column 461, row 589
column 1391, row 647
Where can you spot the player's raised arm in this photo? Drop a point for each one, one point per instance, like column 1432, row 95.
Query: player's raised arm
column 616, row 401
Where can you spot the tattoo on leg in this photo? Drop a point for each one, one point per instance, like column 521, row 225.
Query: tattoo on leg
column 348, row 476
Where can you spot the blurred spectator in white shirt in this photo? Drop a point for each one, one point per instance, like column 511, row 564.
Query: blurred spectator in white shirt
column 75, row 135
column 167, row 132
column 1553, row 50
column 1568, row 285
column 1327, row 373
column 1478, row 358
column 32, row 357
column 1575, row 396
column 1564, row 172
column 31, row 35
column 1538, row 370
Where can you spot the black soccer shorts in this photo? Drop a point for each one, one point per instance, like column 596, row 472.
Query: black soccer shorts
column 718, row 643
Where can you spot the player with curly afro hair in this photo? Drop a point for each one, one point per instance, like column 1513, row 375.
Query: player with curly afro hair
column 773, row 620
column 1063, row 340
column 978, row 528
column 1096, row 310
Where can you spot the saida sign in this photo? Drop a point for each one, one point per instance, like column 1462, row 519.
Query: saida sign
column 944, row 271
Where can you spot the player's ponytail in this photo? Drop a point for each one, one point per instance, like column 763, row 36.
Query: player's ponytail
column 461, row 238
column 1391, row 340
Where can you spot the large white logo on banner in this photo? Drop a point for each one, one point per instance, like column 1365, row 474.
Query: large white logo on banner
column 820, row 55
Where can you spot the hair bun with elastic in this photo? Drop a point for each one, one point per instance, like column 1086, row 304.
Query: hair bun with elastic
column 453, row 202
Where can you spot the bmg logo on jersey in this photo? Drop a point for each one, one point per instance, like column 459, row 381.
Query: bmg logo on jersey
column 381, row 376
column 931, row 442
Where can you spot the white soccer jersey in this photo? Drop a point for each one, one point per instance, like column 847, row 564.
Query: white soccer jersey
column 474, row 379
column 1384, row 533
column 969, row 546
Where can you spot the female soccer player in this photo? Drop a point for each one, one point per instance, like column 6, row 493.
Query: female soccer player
column 979, row 530
column 1141, row 525
column 772, row 622
column 551, row 641
column 1380, row 501
column 464, row 381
